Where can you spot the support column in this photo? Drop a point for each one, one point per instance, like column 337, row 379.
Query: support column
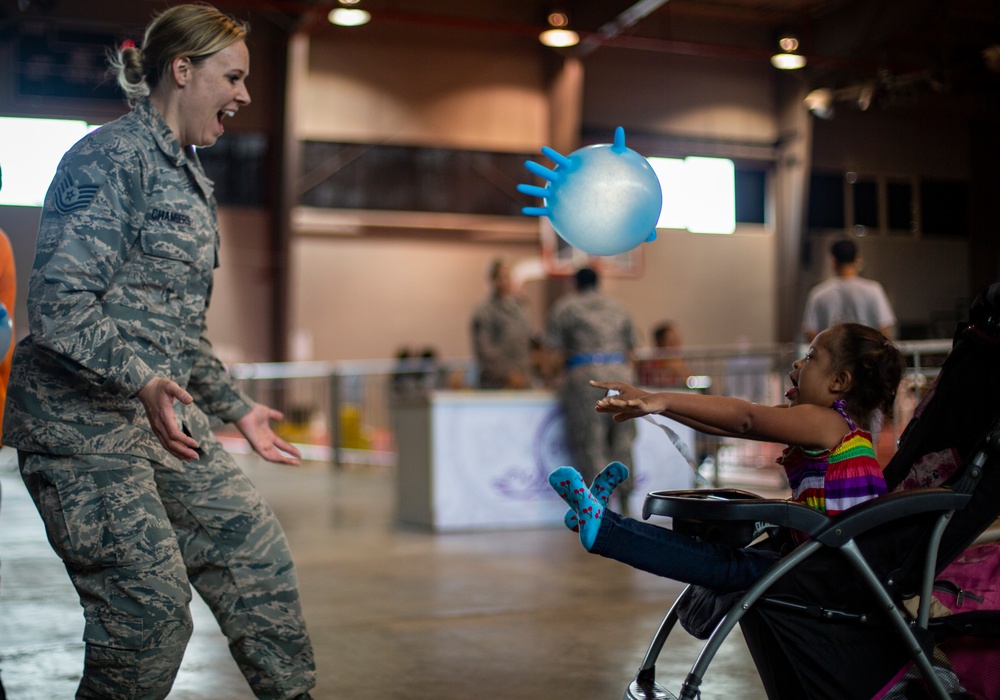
column 296, row 69
column 566, row 106
column 791, row 192
column 565, row 117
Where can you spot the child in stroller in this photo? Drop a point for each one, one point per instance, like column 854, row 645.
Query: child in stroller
column 840, row 390
column 826, row 621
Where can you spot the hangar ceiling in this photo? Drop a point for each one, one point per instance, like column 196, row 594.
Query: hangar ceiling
column 949, row 47
column 896, row 48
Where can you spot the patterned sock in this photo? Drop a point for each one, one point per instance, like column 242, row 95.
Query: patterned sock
column 604, row 483
column 570, row 486
column 571, row 520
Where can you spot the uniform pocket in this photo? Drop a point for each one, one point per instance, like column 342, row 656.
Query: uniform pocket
column 173, row 274
column 99, row 518
column 76, row 519
column 169, row 244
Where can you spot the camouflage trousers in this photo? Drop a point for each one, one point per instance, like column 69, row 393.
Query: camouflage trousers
column 595, row 439
column 135, row 537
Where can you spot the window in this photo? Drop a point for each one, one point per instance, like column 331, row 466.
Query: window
column 699, row 194
column 889, row 204
column 751, row 196
column 30, row 151
column 405, row 178
column 899, row 206
column 237, row 165
column 864, row 193
column 944, row 207
column 826, row 201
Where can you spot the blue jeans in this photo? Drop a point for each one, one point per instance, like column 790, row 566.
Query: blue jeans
column 663, row 552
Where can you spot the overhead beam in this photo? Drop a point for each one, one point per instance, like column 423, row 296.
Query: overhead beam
column 623, row 21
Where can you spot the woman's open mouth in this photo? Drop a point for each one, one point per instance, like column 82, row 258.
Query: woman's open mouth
column 224, row 114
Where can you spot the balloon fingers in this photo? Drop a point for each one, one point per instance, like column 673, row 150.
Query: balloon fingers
column 535, row 211
column 555, row 156
column 541, row 171
column 619, row 144
column 533, row 190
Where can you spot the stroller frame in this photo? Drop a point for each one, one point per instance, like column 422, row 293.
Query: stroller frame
column 732, row 516
column 837, row 532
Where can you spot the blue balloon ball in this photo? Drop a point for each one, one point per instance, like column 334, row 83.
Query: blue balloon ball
column 602, row 199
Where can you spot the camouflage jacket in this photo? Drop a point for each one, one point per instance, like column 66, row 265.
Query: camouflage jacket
column 127, row 247
column 589, row 322
column 501, row 339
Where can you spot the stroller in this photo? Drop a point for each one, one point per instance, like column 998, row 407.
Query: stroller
column 827, row 621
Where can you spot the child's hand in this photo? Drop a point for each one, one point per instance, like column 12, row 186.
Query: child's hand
column 626, row 410
column 624, row 391
column 628, row 403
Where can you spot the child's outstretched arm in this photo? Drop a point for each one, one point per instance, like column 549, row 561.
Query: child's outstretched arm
column 633, row 403
column 808, row 425
column 639, row 403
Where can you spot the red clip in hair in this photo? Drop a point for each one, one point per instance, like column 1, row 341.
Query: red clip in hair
column 127, row 44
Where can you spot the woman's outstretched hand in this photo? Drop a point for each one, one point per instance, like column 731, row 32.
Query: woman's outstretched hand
column 256, row 428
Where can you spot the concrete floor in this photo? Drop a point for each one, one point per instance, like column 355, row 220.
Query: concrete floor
column 393, row 612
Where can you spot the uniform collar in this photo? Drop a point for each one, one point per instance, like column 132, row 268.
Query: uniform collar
column 162, row 134
column 171, row 147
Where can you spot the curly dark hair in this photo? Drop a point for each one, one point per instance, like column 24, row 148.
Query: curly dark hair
column 876, row 367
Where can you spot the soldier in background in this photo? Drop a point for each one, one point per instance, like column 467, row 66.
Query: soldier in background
column 501, row 335
column 847, row 297
column 595, row 336
column 112, row 391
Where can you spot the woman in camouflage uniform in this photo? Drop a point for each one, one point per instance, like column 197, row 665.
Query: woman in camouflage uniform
column 112, row 390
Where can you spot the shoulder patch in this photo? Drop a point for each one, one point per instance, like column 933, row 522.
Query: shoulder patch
column 70, row 196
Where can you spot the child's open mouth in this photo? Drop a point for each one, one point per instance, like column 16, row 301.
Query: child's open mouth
column 793, row 391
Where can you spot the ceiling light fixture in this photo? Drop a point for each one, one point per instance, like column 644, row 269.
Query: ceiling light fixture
column 558, row 35
column 348, row 16
column 788, row 59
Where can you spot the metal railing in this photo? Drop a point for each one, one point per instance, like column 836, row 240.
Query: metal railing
column 342, row 412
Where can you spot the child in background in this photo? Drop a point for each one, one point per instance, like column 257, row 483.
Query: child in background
column 839, row 392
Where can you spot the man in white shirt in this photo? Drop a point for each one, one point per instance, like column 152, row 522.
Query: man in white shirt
column 846, row 297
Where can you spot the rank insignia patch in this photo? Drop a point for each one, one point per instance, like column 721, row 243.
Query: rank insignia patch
column 70, row 196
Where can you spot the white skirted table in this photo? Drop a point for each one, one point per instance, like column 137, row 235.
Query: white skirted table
column 479, row 460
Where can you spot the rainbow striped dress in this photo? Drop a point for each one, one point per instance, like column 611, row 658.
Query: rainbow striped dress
column 834, row 480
